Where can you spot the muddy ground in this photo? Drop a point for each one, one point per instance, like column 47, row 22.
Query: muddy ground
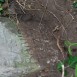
column 40, row 20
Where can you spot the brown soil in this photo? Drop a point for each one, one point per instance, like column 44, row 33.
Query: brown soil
column 38, row 26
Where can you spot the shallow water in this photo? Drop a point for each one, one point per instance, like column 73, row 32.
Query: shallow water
column 14, row 57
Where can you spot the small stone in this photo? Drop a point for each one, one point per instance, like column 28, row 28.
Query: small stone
column 39, row 76
column 48, row 61
column 39, row 66
column 46, row 41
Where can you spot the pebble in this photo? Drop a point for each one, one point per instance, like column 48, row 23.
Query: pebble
column 48, row 61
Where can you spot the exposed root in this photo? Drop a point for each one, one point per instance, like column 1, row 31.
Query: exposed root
column 58, row 41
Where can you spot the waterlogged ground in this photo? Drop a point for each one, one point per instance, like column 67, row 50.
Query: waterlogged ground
column 15, row 61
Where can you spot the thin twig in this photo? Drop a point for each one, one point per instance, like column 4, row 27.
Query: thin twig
column 23, row 8
column 43, row 13
column 58, row 5
column 53, row 15
column 71, row 20
column 20, row 6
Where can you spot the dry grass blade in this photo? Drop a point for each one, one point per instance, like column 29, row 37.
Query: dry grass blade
column 62, row 70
